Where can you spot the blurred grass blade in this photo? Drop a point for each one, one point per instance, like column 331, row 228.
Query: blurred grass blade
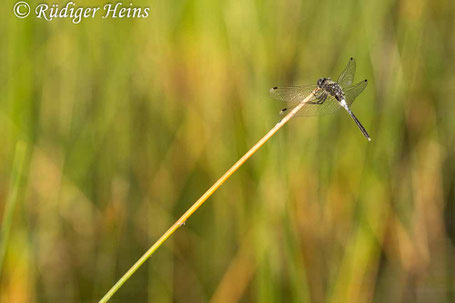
column 15, row 184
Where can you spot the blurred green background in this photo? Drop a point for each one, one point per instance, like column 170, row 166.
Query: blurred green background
column 112, row 128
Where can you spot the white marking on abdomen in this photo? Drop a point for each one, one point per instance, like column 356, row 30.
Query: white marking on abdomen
column 344, row 104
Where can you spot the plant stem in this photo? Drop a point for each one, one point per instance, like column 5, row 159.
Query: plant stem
column 181, row 221
column 17, row 174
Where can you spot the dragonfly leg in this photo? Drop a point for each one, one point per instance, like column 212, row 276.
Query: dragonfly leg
column 321, row 100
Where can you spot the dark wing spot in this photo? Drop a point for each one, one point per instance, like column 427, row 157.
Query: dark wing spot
column 283, row 110
column 352, row 58
column 275, row 87
column 366, row 80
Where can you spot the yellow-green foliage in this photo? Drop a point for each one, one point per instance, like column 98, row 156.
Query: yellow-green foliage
column 126, row 122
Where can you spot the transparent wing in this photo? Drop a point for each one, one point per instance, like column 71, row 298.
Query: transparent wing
column 292, row 93
column 347, row 76
column 351, row 92
column 329, row 106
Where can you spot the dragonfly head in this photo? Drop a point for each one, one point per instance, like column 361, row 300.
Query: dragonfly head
column 321, row 82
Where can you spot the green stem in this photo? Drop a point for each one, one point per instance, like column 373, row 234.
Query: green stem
column 10, row 206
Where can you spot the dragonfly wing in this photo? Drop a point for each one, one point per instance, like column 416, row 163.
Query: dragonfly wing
column 351, row 92
column 347, row 76
column 329, row 106
column 292, row 93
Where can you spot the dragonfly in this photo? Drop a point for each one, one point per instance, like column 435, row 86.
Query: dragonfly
column 328, row 96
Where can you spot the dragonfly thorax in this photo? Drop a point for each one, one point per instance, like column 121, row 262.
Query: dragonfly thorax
column 331, row 87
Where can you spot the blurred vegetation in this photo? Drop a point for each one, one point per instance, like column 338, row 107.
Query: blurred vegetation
column 112, row 128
